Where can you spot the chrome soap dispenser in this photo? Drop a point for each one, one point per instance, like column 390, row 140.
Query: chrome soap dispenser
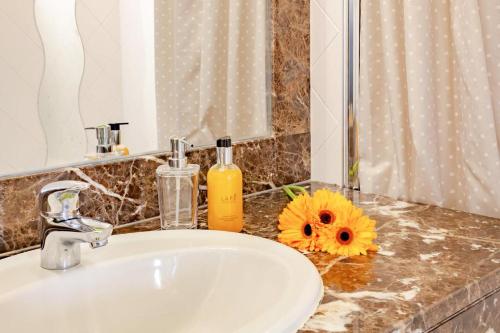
column 104, row 146
column 177, row 184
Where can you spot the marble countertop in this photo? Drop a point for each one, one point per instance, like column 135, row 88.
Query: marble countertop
column 432, row 264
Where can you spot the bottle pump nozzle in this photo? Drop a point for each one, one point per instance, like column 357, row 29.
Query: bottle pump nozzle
column 178, row 158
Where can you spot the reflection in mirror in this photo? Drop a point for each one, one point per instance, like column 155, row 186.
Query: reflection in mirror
column 212, row 76
column 58, row 94
column 196, row 68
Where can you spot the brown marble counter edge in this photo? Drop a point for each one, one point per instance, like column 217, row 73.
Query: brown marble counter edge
column 494, row 293
column 421, row 321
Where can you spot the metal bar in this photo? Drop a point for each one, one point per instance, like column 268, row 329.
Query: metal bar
column 351, row 82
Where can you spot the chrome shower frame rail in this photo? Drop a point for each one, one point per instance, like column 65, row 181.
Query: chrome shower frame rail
column 351, row 93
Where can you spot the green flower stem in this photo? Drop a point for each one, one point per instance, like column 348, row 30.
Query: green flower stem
column 297, row 188
column 289, row 192
column 290, row 188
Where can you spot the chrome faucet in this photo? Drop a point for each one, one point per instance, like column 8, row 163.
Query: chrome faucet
column 62, row 228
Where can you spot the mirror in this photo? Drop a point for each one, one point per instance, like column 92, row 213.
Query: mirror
column 70, row 68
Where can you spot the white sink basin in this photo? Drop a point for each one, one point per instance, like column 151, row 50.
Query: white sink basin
column 163, row 281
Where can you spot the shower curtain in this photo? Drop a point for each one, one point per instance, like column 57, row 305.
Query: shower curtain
column 429, row 108
column 211, row 69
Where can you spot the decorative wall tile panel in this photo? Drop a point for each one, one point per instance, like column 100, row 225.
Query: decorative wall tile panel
column 327, row 90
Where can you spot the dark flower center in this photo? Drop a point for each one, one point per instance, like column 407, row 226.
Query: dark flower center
column 326, row 217
column 344, row 236
column 308, row 230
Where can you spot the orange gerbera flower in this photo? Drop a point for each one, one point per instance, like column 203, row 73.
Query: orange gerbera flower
column 352, row 234
column 327, row 222
column 298, row 228
column 328, row 205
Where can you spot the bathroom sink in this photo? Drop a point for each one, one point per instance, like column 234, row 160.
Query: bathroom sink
column 164, row 281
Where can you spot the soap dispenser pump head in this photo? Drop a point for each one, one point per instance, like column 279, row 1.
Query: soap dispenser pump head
column 178, row 158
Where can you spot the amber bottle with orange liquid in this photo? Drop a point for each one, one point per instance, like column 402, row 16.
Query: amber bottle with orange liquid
column 225, row 191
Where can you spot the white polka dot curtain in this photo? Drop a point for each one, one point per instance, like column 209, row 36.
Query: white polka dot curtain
column 211, row 69
column 430, row 102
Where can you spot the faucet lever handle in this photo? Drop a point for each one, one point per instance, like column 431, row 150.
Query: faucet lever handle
column 61, row 199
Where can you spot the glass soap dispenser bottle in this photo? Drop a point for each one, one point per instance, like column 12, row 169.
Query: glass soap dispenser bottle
column 177, row 184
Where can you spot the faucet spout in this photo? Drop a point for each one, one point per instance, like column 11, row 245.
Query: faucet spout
column 61, row 241
column 62, row 229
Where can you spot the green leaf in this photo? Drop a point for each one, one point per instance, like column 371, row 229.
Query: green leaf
column 353, row 171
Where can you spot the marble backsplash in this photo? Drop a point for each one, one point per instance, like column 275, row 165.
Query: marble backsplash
column 125, row 191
